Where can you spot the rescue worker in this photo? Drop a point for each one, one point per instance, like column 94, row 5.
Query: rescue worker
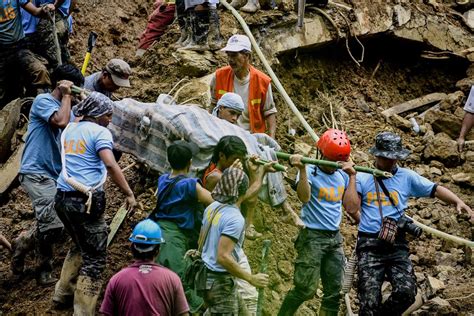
column 180, row 201
column 468, row 121
column 223, row 243
column 87, row 157
column 253, row 86
column 382, row 248
column 323, row 191
column 15, row 59
column 40, row 168
column 229, row 150
column 229, row 107
column 144, row 287
column 115, row 75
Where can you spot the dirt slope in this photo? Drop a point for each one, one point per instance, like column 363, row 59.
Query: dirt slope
column 357, row 94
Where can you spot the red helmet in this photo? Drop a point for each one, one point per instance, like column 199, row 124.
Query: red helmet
column 335, row 145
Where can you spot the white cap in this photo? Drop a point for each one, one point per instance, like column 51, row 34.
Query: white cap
column 237, row 43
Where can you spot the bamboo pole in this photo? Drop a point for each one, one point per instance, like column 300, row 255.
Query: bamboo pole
column 333, row 164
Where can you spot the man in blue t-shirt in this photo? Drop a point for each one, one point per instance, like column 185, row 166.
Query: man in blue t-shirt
column 323, row 191
column 15, row 59
column 180, row 201
column 80, row 201
column 223, row 243
column 388, row 198
column 40, row 167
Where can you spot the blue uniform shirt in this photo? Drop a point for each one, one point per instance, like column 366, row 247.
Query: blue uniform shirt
column 324, row 209
column 11, row 30
column 181, row 206
column 404, row 184
column 28, row 21
column 42, row 154
column 229, row 222
column 82, row 142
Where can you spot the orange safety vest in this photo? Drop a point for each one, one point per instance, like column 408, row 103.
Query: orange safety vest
column 258, row 87
column 210, row 169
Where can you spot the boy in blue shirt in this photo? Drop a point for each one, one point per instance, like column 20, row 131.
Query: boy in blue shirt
column 178, row 210
column 387, row 199
column 319, row 245
column 40, row 167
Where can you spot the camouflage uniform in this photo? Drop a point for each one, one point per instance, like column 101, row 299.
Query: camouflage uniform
column 88, row 232
column 377, row 260
column 221, row 294
column 320, row 256
column 44, row 39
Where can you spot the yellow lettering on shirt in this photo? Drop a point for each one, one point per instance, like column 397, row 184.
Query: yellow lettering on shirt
column 7, row 14
column 215, row 221
column 330, row 194
column 372, row 198
column 77, row 147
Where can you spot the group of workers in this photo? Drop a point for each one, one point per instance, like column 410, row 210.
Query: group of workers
column 69, row 152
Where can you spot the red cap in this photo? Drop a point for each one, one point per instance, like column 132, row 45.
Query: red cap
column 335, row 145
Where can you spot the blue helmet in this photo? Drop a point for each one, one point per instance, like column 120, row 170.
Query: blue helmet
column 147, row 232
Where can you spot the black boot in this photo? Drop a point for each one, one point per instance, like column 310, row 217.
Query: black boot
column 200, row 30
column 21, row 245
column 214, row 38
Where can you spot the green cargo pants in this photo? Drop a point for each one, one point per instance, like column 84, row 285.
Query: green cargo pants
column 171, row 255
column 320, row 256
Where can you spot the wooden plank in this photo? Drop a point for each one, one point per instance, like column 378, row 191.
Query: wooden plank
column 116, row 223
column 414, row 104
column 10, row 169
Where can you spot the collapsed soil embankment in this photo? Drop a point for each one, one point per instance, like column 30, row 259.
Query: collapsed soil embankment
column 313, row 78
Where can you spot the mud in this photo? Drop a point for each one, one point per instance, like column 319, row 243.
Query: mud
column 314, row 79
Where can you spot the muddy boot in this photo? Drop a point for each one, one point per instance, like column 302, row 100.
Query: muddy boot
column 21, row 245
column 86, row 295
column 64, row 290
column 237, row 4
column 252, row 6
column 44, row 255
column 189, row 30
column 214, row 37
column 200, row 30
column 184, row 23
